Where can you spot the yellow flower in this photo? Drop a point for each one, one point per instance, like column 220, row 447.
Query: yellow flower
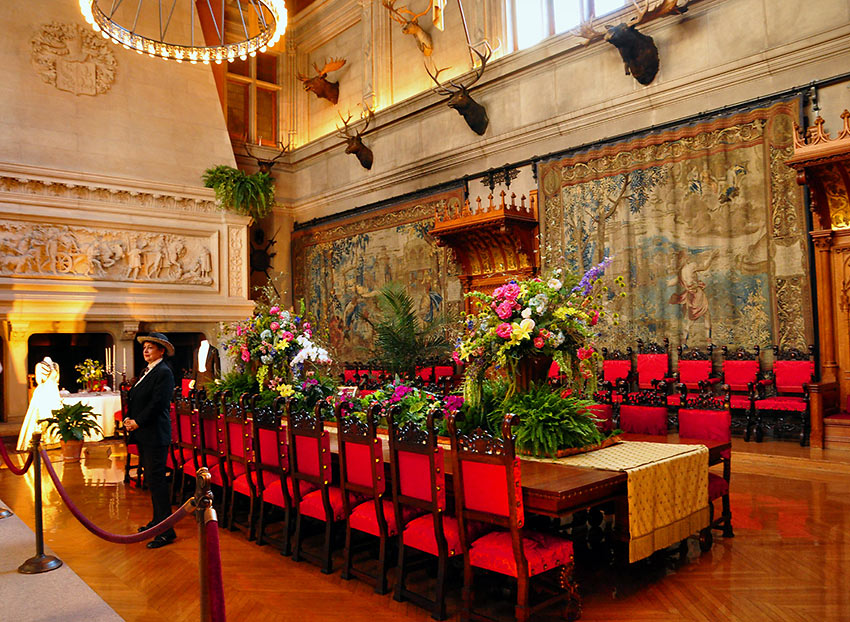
column 522, row 330
column 561, row 313
column 285, row 390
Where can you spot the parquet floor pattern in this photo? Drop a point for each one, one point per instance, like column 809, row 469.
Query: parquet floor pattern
column 789, row 561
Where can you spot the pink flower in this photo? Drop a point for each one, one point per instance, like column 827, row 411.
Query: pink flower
column 511, row 291
column 287, row 336
column 505, row 309
column 595, row 318
column 499, row 292
column 456, row 357
column 306, row 326
column 538, row 342
column 274, row 326
column 309, row 333
column 246, row 356
column 239, row 331
column 584, row 353
column 504, row 330
column 274, row 310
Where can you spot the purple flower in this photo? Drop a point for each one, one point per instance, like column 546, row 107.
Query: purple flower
column 399, row 393
column 453, row 403
column 591, row 276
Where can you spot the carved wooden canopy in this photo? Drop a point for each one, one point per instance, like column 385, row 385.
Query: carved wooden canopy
column 493, row 242
column 823, row 164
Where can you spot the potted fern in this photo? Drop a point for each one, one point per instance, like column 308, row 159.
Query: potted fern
column 71, row 423
column 237, row 191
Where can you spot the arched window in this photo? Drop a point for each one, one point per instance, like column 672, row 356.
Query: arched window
column 531, row 21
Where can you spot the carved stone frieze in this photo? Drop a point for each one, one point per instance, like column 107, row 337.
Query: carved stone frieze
column 42, row 250
column 73, row 58
column 70, row 190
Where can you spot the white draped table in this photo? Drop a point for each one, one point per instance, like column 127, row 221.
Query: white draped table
column 104, row 406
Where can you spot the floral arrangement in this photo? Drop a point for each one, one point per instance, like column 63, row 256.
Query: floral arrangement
column 551, row 319
column 414, row 403
column 91, row 372
column 275, row 345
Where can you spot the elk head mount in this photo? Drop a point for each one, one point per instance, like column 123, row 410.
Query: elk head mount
column 638, row 51
column 354, row 144
column 264, row 163
column 319, row 84
column 473, row 113
column 410, row 25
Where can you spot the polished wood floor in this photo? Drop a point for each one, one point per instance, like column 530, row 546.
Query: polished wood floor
column 789, row 561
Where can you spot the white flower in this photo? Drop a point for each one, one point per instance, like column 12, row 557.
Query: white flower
column 526, row 313
column 554, row 283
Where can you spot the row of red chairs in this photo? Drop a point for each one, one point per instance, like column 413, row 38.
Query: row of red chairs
column 780, row 390
column 281, row 458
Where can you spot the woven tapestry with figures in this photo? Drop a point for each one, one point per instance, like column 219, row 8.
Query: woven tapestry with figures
column 705, row 222
column 339, row 268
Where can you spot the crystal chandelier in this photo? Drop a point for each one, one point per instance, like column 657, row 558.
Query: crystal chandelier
column 263, row 23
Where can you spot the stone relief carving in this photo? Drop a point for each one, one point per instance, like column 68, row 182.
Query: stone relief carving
column 59, row 251
column 73, row 58
column 138, row 200
column 235, row 245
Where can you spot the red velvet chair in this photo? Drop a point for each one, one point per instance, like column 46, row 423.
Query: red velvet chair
column 210, row 444
column 186, row 385
column 272, row 483
column 617, row 375
column 740, row 372
column 488, row 490
column 652, row 366
column 239, row 460
column 181, row 455
column 310, row 468
column 644, row 413
column 131, row 448
column 364, row 484
column 694, row 376
column 419, row 483
column 710, row 419
column 786, row 392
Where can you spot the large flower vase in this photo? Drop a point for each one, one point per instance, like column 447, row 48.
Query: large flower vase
column 531, row 370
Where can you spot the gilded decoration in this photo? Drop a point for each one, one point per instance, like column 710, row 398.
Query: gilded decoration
column 73, row 58
column 236, row 269
column 54, row 251
column 696, row 219
column 339, row 268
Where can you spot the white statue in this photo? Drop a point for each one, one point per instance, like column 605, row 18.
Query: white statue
column 45, row 399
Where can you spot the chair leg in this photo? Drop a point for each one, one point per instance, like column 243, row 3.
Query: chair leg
column 252, row 527
column 327, row 551
column 804, row 429
column 261, row 522
column 400, row 579
column 381, row 576
column 346, row 564
column 727, row 518
column 439, row 610
column 468, row 596
column 296, row 553
column 287, row 529
column 521, row 609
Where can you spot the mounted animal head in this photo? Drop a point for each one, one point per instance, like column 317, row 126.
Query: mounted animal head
column 473, row 113
column 410, row 25
column 319, row 84
column 264, row 163
column 638, row 51
column 354, row 144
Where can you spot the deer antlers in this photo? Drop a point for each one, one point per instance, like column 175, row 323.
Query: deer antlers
column 264, row 164
column 410, row 25
column 452, row 88
column 354, row 144
column 665, row 7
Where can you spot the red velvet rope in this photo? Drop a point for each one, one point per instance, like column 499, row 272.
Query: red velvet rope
column 12, row 467
column 214, row 582
column 154, row 531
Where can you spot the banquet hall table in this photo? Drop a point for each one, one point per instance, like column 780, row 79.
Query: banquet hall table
column 104, row 405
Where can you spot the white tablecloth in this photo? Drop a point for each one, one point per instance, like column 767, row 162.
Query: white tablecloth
column 104, row 406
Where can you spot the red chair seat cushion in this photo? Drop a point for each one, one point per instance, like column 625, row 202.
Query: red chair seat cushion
column 739, row 402
column 644, row 419
column 782, row 403
column 543, row 551
column 604, row 396
column 676, row 399
column 717, row 486
column 312, row 506
column 211, row 462
column 133, row 449
column 181, row 457
column 419, row 534
column 274, row 494
column 364, row 517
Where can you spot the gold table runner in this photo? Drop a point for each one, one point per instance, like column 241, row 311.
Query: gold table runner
column 667, row 490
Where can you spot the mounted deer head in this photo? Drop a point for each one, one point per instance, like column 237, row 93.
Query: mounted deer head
column 354, row 144
column 264, row 163
column 319, row 85
column 473, row 113
column 410, row 25
column 638, row 51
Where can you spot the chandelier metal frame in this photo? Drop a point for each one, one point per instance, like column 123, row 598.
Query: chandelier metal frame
column 272, row 24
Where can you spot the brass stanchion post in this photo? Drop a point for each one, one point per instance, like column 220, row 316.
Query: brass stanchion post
column 41, row 562
column 203, row 505
column 5, row 513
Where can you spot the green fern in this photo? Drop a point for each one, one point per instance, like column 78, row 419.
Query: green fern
column 249, row 195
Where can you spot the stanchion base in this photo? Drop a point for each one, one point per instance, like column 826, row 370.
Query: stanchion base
column 40, row 563
column 4, row 513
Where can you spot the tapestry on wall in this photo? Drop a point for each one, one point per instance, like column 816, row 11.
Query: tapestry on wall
column 706, row 223
column 339, row 268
